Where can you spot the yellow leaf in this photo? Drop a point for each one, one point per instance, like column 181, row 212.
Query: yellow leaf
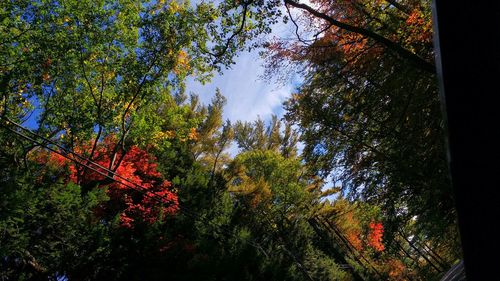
column 174, row 7
column 193, row 135
column 182, row 62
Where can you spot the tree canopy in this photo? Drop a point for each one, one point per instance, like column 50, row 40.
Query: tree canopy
column 110, row 171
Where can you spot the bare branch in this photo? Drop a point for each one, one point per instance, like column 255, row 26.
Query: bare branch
column 296, row 25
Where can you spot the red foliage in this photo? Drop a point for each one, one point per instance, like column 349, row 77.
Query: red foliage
column 419, row 27
column 375, row 236
column 137, row 167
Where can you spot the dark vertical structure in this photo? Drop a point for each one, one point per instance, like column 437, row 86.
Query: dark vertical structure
column 467, row 36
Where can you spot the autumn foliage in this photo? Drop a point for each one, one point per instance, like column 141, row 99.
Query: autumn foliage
column 375, row 236
column 396, row 270
column 353, row 231
column 362, row 236
column 136, row 191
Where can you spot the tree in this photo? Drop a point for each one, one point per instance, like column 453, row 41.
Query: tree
column 369, row 108
column 108, row 85
column 137, row 191
column 47, row 225
column 273, row 198
column 106, row 62
column 256, row 136
column 214, row 136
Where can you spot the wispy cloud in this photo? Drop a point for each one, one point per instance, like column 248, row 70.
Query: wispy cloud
column 248, row 96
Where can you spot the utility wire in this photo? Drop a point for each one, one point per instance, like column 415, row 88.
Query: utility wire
column 348, row 245
column 69, row 151
column 111, row 175
column 87, row 166
column 151, row 194
column 135, row 186
column 141, row 189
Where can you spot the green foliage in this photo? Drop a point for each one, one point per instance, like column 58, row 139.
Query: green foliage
column 322, row 267
column 266, row 175
column 95, row 71
column 213, row 136
column 48, row 228
column 253, row 136
column 273, row 198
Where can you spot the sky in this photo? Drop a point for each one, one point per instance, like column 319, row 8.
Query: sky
column 248, row 96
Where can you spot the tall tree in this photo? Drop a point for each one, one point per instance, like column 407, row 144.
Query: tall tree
column 257, row 136
column 108, row 85
column 106, row 62
column 272, row 197
column 369, row 108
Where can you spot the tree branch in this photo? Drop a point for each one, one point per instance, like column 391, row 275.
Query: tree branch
column 225, row 47
column 126, row 129
column 396, row 48
column 399, row 6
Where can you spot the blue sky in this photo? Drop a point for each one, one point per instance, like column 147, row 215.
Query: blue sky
column 248, row 96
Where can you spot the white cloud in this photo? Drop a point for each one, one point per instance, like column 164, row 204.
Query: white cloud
column 248, row 96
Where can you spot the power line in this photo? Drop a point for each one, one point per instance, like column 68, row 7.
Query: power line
column 69, row 151
column 87, row 166
column 141, row 189
column 348, row 245
column 152, row 194
column 111, row 175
